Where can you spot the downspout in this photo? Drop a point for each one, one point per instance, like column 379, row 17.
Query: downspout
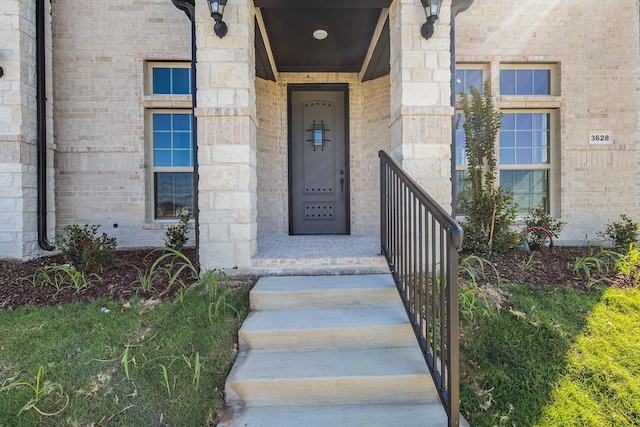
column 41, row 112
column 188, row 7
column 194, row 136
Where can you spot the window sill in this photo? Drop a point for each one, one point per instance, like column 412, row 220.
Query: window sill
column 162, row 101
column 529, row 101
column 164, row 224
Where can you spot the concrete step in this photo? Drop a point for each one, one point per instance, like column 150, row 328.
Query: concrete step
column 318, row 328
column 283, row 292
column 329, row 351
column 352, row 376
column 375, row 415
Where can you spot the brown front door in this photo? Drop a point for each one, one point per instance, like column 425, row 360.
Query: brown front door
column 318, row 166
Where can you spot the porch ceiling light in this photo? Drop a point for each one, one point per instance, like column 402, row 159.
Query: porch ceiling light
column 320, row 34
column 432, row 10
column 216, row 7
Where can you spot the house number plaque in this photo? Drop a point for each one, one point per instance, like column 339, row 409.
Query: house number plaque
column 600, row 138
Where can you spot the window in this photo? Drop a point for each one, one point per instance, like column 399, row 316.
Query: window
column 525, row 82
column 525, row 158
column 524, row 147
column 172, row 163
column 172, row 140
column 171, row 81
column 467, row 77
column 525, row 141
column 170, row 134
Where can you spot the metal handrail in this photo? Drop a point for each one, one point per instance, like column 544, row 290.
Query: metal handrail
column 420, row 242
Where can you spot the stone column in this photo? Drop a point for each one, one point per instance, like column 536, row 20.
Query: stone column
column 421, row 109
column 18, row 130
column 227, row 129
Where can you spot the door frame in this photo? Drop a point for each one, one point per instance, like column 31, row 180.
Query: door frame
column 320, row 87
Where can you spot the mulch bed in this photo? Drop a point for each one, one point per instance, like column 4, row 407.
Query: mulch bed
column 551, row 268
column 119, row 281
column 547, row 268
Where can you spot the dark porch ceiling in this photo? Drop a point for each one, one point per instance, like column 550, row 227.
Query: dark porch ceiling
column 350, row 24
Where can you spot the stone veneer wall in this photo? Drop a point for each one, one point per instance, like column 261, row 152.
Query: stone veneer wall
column 227, row 138
column 99, row 78
column 421, row 108
column 368, row 132
column 596, row 47
column 18, row 130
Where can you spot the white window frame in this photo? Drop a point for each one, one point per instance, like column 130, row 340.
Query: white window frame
column 549, row 104
column 534, row 166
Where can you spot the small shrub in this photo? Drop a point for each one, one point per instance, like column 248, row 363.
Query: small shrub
column 86, row 251
column 471, row 297
column 490, row 209
column 218, row 286
column 145, row 280
column 78, row 280
column 487, row 227
column 628, row 264
column 530, row 263
column 595, row 267
column 622, row 233
column 176, row 235
column 540, row 218
column 473, row 268
column 174, row 264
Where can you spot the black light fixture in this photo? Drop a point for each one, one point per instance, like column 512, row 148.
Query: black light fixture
column 432, row 10
column 216, row 7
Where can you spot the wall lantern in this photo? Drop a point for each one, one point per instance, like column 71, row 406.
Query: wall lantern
column 432, row 10
column 216, row 7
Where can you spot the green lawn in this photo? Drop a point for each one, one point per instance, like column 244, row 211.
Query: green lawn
column 554, row 358
column 139, row 364
column 557, row 357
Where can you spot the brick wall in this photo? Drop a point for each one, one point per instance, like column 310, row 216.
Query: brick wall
column 596, row 47
column 272, row 161
column 375, row 136
column 102, row 172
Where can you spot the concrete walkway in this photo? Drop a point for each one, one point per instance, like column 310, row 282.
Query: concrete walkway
column 329, row 351
column 324, row 254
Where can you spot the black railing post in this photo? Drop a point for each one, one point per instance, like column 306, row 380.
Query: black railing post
column 384, row 201
column 455, row 234
column 420, row 242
